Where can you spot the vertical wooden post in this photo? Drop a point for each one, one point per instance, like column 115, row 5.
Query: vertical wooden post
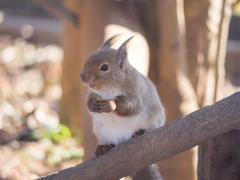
column 219, row 158
column 70, row 104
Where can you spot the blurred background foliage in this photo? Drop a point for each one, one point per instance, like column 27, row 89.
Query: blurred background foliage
column 236, row 8
column 32, row 140
column 44, row 124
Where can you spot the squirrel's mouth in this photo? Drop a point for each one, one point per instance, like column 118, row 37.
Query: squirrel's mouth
column 93, row 86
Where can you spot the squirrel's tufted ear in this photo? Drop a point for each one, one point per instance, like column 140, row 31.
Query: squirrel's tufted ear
column 110, row 41
column 122, row 51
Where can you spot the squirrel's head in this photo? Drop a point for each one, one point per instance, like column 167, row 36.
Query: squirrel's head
column 107, row 68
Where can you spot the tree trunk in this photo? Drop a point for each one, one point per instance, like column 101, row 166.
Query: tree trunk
column 196, row 15
column 206, row 36
column 93, row 22
column 70, row 104
column 226, row 13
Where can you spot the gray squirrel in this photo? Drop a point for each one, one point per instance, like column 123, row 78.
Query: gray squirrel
column 123, row 103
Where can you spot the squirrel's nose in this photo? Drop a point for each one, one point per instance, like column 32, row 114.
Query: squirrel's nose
column 82, row 76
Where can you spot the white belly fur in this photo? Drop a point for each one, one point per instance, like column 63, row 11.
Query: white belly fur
column 113, row 129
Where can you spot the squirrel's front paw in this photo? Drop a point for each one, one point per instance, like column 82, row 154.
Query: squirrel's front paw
column 102, row 149
column 107, row 106
column 93, row 105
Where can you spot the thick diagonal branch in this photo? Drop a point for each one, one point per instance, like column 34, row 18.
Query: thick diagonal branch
column 171, row 139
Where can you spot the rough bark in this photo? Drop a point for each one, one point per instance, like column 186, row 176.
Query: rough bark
column 164, row 142
column 219, row 157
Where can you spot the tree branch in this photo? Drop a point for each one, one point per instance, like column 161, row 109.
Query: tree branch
column 173, row 138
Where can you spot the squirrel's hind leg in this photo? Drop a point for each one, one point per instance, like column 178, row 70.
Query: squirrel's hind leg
column 139, row 133
column 102, row 149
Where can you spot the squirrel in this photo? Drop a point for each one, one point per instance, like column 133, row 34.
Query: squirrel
column 123, row 103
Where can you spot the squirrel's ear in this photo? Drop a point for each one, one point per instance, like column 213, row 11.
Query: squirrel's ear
column 122, row 51
column 110, row 41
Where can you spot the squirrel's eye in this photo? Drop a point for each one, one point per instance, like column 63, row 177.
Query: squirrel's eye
column 104, row 67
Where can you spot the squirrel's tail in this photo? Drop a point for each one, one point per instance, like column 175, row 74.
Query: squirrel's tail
column 147, row 173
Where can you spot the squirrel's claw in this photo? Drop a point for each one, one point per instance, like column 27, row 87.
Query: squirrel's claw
column 139, row 133
column 102, row 149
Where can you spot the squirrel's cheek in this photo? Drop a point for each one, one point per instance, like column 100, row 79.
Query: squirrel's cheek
column 115, row 75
